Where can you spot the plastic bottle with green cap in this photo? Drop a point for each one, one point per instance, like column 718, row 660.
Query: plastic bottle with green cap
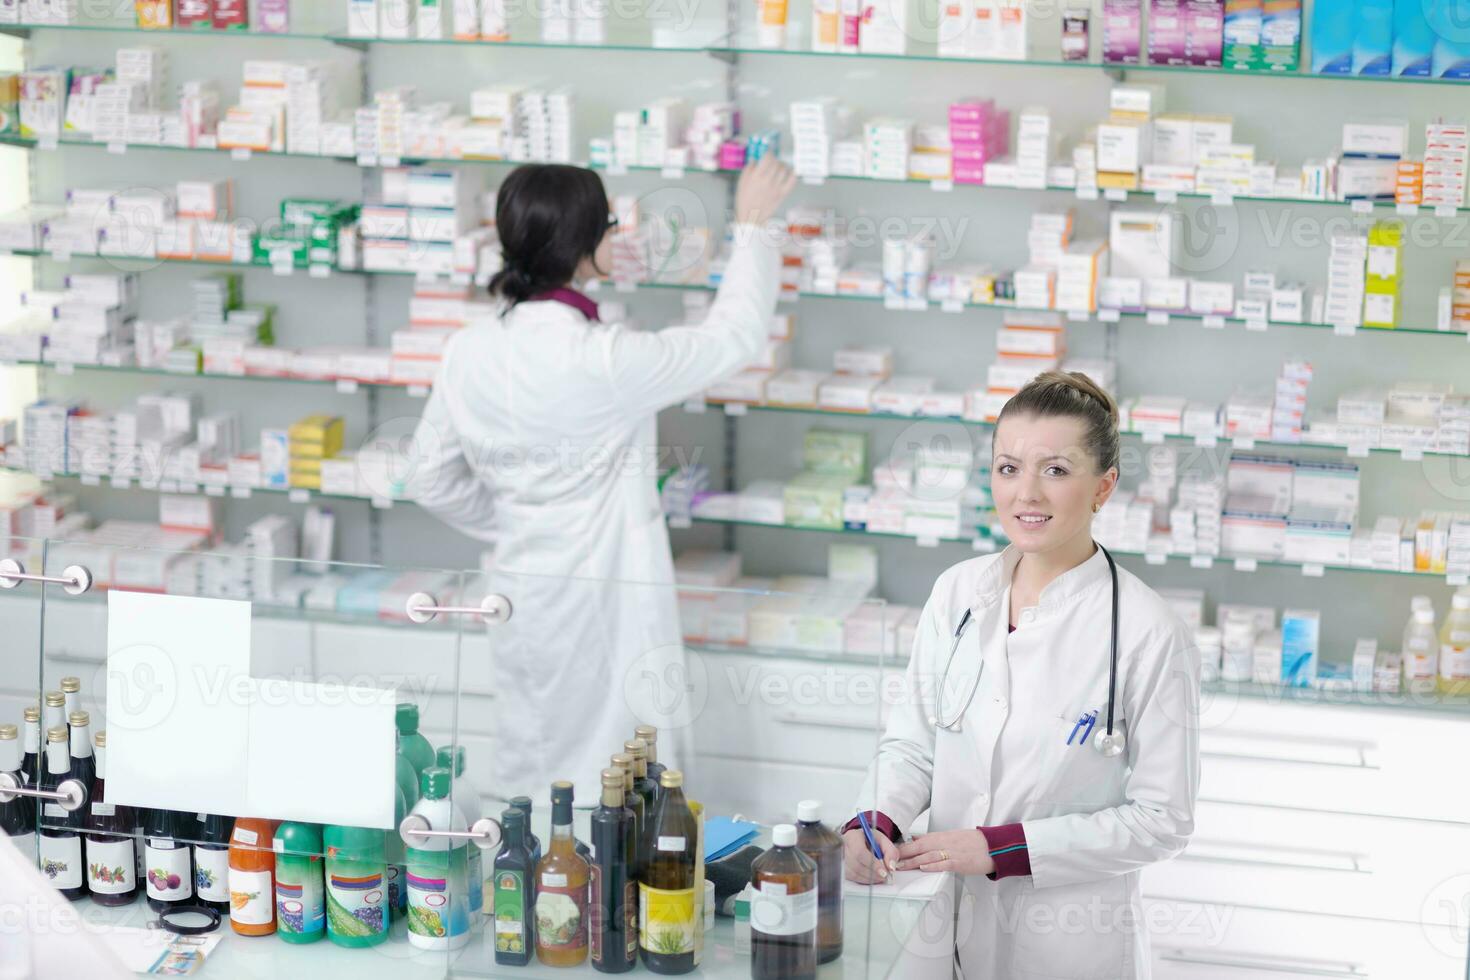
column 300, row 886
column 438, row 880
column 411, row 744
column 356, row 885
column 467, row 799
column 417, row 754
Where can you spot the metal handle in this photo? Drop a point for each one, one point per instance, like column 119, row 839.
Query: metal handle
column 74, row 579
column 484, row 832
column 1301, row 859
column 494, row 609
column 69, row 793
column 1304, row 968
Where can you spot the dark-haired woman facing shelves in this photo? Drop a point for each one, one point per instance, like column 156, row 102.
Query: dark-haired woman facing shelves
column 539, row 439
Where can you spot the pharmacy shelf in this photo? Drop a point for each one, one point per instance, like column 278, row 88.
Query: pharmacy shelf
column 344, row 386
column 679, row 173
column 297, row 495
column 1245, row 445
column 991, row 538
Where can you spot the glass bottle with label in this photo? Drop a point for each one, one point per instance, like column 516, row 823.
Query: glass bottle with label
column 212, row 862
column 55, row 711
column 523, row 804
column 71, row 693
column 61, row 844
column 252, row 877
column 438, row 879
column 670, row 899
column 83, row 765
column 612, row 928
column 646, row 788
column 820, row 843
column 561, row 889
column 357, row 886
column 300, row 889
column 169, row 872
column 18, row 817
column 649, row 734
column 783, row 911
column 513, row 897
column 112, row 866
column 623, row 763
column 31, row 765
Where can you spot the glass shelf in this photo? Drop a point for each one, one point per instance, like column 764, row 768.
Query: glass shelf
column 1220, row 441
column 130, row 27
column 344, row 385
column 989, row 539
column 296, row 494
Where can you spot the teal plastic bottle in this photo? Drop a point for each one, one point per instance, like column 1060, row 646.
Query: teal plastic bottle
column 413, row 745
column 300, row 884
column 356, row 885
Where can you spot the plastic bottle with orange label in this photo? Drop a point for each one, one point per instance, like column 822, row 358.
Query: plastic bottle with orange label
column 253, row 877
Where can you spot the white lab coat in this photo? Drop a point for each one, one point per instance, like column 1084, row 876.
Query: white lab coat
column 539, row 437
column 1090, row 822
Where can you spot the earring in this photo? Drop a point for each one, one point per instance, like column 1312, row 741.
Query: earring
column 1096, row 508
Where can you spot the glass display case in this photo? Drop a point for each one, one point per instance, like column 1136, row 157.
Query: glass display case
column 281, row 690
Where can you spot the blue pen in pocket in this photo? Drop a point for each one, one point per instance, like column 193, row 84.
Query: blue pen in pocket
column 1084, row 725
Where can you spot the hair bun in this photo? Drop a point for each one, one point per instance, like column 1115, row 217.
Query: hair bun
column 513, row 283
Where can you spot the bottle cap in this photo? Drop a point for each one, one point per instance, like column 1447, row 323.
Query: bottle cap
column 295, row 837
column 32, row 713
column 512, row 820
column 407, row 718
column 434, row 783
column 57, row 733
column 100, row 739
column 8, row 732
column 648, row 733
column 671, row 779
column 809, row 811
column 611, row 778
column 1421, row 602
column 622, row 761
column 637, row 748
column 71, row 685
column 443, row 758
column 561, row 791
column 55, row 699
column 79, row 719
column 522, row 803
column 784, row 835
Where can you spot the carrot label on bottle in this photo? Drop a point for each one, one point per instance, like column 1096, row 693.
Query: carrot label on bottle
column 561, row 913
column 252, row 902
column 666, row 920
column 356, row 906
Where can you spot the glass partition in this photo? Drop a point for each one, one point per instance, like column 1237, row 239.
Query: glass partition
column 21, row 600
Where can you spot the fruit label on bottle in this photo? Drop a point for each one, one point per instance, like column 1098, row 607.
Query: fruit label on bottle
column 356, row 904
column 438, row 894
column 252, row 900
column 300, row 906
column 666, row 919
column 212, row 874
column 510, row 925
column 561, row 915
column 111, row 866
column 776, row 912
column 61, row 860
column 168, row 870
column 397, row 893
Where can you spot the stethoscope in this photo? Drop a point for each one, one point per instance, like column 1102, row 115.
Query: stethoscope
column 1107, row 742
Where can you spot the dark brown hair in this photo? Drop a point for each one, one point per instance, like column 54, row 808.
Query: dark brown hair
column 1073, row 395
column 549, row 217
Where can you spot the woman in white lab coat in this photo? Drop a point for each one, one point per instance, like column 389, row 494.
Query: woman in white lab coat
column 539, row 438
column 1044, row 830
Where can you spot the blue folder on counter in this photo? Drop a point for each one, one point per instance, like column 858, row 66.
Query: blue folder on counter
column 723, row 836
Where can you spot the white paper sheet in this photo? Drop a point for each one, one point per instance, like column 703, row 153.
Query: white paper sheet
column 914, row 886
column 314, row 750
column 178, row 670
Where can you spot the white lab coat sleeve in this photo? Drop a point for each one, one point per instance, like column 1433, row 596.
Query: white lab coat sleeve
column 900, row 779
column 651, row 370
column 442, row 481
column 1163, row 757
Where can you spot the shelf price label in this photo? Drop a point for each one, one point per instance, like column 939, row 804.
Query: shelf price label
column 1201, row 561
column 1358, row 451
column 47, row 143
column 418, row 391
column 1152, row 436
column 1409, row 455
column 1109, row 316
column 1213, row 321
column 382, row 503
column 1257, row 324
column 942, row 186
column 952, row 305
column 672, row 173
column 695, row 406
column 240, row 493
column 983, row 545
column 1116, row 194
column 65, row 367
column 1245, row 564
column 926, row 541
column 735, row 408
column 347, row 386
column 91, row 480
column 1166, row 197
column 1244, row 443
column 1222, row 199
column 240, row 153
column 121, row 483
column 319, row 271
column 1362, row 206
column 1445, row 210
column 1156, row 557
column 117, row 147
column 1407, row 210
column 1087, row 194
column 680, row 522
column 1158, row 318
column 299, row 495
column 1344, row 329
column 1313, row 570
column 1205, row 441
column 1455, row 581
column 1078, row 316
column 813, row 180
column 214, row 490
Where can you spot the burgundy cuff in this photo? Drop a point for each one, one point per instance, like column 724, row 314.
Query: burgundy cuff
column 1007, row 846
column 880, row 823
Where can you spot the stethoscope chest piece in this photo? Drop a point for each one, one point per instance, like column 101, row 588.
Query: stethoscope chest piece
column 1109, row 744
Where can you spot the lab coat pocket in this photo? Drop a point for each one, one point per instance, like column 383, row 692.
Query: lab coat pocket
column 1082, row 779
column 1072, row 932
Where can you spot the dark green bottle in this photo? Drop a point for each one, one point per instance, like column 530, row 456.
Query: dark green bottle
column 513, row 896
column 523, row 804
column 613, row 892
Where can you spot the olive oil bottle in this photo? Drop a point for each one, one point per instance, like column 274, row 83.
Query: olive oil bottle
column 783, row 911
column 623, row 763
column 649, row 734
column 670, row 899
column 512, row 897
column 613, row 895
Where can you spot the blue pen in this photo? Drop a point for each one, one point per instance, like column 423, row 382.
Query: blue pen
column 868, row 833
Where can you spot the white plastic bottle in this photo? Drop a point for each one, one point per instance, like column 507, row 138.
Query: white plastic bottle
column 438, row 879
column 467, row 799
column 1421, row 652
column 1454, row 646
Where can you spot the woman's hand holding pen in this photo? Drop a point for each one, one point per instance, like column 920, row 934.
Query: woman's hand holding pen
column 964, row 852
column 858, row 858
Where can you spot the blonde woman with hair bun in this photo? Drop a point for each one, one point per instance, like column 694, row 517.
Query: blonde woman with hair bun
column 1045, row 811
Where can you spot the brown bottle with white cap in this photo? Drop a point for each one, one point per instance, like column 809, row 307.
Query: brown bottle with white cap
column 783, row 911
column 820, row 843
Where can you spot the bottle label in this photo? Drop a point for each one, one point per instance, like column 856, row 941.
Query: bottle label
column 246, row 836
column 597, row 913
column 54, row 811
column 630, row 921
column 510, row 924
column 252, row 897
column 666, row 919
column 775, row 912
column 561, row 915
column 168, row 871
column 356, row 904
column 111, row 867
column 397, row 894
column 671, row 843
column 61, row 860
column 438, row 894
column 300, row 905
column 104, row 810
column 212, row 874
column 549, row 880
column 1454, row 662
